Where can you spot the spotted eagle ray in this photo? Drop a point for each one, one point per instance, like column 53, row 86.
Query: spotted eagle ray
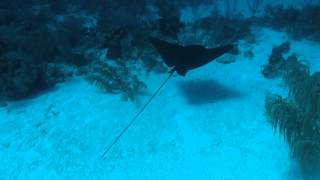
column 184, row 58
column 181, row 59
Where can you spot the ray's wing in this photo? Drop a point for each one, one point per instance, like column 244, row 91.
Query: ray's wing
column 166, row 50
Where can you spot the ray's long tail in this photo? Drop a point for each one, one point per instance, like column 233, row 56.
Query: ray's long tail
column 124, row 130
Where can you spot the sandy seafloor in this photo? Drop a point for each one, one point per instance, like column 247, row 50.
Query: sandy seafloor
column 210, row 124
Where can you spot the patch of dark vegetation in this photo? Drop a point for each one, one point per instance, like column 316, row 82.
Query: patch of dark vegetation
column 276, row 62
column 298, row 22
column 297, row 117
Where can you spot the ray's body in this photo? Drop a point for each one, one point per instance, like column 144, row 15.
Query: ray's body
column 184, row 58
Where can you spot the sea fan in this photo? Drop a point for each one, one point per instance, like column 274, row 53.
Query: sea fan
column 297, row 117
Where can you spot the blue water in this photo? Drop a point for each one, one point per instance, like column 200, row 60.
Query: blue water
column 85, row 95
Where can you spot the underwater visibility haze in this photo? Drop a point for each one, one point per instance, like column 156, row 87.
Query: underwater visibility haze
column 159, row 89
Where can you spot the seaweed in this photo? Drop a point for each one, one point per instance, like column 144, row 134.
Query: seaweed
column 115, row 79
column 297, row 117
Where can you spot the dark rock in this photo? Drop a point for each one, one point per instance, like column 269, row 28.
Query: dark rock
column 248, row 54
column 226, row 59
column 276, row 62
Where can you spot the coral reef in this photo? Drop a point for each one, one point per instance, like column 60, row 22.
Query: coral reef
column 36, row 36
column 33, row 45
column 39, row 35
column 170, row 26
column 297, row 117
column 298, row 22
column 254, row 6
column 19, row 79
column 215, row 30
column 32, row 51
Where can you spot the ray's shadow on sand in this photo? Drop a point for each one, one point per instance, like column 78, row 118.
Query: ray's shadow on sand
column 199, row 92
